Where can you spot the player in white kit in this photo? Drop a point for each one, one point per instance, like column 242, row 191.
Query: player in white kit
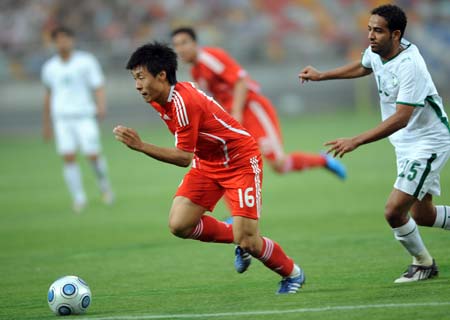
column 72, row 78
column 416, row 124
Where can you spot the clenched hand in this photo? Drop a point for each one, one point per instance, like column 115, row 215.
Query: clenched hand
column 129, row 137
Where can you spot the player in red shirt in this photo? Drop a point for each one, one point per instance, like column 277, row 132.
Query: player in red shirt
column 225, row 160
column 218, row 73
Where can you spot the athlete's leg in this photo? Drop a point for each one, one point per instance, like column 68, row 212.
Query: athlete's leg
column 72, row 176
column 261, row 121
column 407, row 233
column 88, row 135
column 187, row 220
column 66, row 144
column 405, row 228
column 196, row 194
column 247, row 236
column 100, row 168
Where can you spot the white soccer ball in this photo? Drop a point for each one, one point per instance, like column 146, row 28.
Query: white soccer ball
column 69, row 295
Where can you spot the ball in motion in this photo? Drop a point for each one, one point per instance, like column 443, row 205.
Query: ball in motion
column 69, row 295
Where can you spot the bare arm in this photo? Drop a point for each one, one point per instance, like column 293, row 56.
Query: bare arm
column 100, row 101
column 392, row 124
column 352, row 70
column 175, row 156
column 46, row 124
column 239, row 97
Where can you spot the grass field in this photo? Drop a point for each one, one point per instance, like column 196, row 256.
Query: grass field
column 137, row 270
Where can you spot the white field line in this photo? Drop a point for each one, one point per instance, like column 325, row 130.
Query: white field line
column 269, row 312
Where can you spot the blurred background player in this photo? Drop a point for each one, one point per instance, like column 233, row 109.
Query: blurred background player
column 416, row 124
column 225, row 160
column 219, row 74
column 71, row 78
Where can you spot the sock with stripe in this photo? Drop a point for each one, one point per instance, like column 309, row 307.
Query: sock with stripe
column 72, row 175
column 410, row 238
column 101, row 171
column 442, row 217
column 298, row 161
column 274, row 258
column 210, row 229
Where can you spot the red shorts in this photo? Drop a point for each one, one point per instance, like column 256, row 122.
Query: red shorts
column 243, row 191
column 261, row 121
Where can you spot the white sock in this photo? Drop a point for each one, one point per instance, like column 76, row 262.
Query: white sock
column 72, row 176
column 442, row 217
column 409, row 237
column 295, row 272
column 100, row 168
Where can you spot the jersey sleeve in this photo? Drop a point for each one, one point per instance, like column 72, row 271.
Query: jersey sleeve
column 94, row 73
column 366, row 59
column 187, row 122
column 412, row 90
column 223, row 65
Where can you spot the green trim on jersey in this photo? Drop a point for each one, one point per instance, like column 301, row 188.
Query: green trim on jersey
column 425, row 174
column 411, row 104
column 390, row 59
column 438, row 111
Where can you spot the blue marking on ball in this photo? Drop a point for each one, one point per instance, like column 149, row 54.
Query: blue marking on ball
column 64, row 311
column 86, row 302
column 69, row 289
column 51, row 295
column 82, row 281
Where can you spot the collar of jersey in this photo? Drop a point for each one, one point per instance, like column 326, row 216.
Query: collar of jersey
column 405, row 44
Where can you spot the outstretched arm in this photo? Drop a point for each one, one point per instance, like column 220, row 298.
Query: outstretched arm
column 46, row 124
column 100, row 100
column 131, row 138
column 239, row 96
column 392, row 124
column 349, row 71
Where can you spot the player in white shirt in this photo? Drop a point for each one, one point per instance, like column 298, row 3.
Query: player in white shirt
column 71, row 78
column 416, row 124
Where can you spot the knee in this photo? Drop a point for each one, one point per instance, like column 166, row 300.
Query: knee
column 394, row 215
column 179, row 229
column 420, row 219
column 249, row 244
column 277, row 166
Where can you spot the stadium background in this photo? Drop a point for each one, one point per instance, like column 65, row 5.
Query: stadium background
column 272, row 39
column 135, row 268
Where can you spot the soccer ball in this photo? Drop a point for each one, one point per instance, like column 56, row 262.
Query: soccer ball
column 69, row 295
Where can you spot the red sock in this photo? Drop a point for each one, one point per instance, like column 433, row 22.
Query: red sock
column 298, row 161
column 211, row 230
column 275, row 259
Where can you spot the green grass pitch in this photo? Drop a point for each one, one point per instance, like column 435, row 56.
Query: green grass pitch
column 135, row 267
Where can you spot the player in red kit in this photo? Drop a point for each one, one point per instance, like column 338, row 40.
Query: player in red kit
column 225, row 160
column 218, row 73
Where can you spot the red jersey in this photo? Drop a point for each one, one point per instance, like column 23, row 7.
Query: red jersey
column 217, row 72
column 202, row 126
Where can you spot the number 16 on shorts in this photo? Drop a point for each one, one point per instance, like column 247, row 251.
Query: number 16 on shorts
column 246, row 197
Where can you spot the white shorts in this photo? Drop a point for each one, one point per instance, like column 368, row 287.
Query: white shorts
column 77, row 132
column 419, row 175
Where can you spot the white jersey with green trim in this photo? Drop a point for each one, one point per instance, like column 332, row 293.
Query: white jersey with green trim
column 71, row 84
column 404, row 79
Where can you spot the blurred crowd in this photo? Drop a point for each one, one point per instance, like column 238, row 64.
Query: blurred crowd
column 265, row 31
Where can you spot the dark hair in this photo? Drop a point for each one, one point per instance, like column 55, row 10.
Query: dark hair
column 187, row 30
column 395, row 17
column 61, row 29
column 156, row 57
